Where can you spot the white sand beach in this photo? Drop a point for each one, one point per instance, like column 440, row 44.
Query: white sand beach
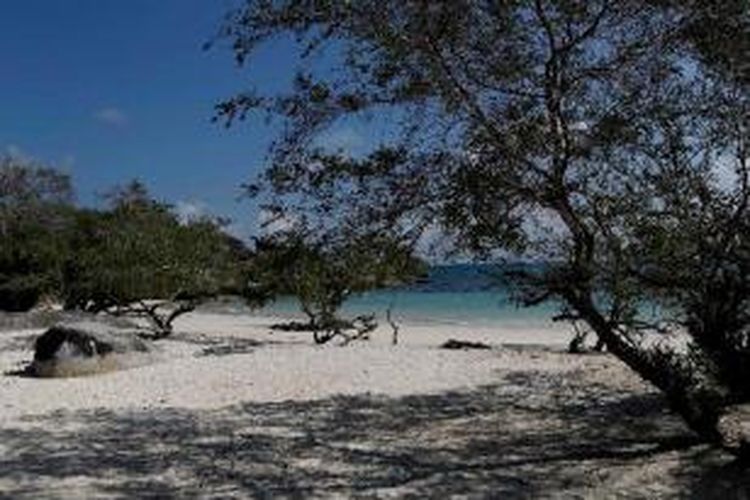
column 231, row 409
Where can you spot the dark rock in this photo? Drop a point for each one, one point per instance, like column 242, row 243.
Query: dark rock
column 463, row 344
column 85, row 348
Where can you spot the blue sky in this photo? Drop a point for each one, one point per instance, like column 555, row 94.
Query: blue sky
column 110, row 90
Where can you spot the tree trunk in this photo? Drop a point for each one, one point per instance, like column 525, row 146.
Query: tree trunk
column 689, row 383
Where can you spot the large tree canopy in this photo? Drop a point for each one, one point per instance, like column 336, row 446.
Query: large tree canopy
column 134, row 257
column 138, row 258
column 35, row 212
column 609, row 137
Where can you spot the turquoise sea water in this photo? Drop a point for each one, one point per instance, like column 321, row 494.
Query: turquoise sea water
column 452, row 294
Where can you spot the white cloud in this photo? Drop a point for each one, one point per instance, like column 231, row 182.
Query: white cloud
column 190, row 210
column 111, row 116
column 17, row 153
column 240, row 230
column 580, row 126
column 345, row 139
column 726, row 173
column 270, row 223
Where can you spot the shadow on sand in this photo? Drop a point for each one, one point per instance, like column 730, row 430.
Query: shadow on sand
column 533, row 436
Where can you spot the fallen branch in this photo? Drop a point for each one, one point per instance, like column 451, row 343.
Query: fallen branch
column 363, row 325
column 161, row 321
column 463, row 344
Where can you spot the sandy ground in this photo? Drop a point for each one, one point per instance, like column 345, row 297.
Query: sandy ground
column 230, row 409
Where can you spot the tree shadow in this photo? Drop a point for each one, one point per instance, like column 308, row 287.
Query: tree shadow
column 218, row 345
column 535, row 435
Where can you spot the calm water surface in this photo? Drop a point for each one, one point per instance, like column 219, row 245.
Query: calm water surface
column 452, row 294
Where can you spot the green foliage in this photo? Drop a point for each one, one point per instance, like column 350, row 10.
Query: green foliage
column 35, row 216
column 106, row 260
column 139, row 249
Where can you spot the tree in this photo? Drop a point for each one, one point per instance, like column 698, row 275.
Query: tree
column 138, row 259
column 323, row 272
column 35, row 215
column 720, row 31
column 598, row 134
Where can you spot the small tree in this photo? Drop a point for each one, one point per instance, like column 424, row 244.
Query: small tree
column 323, row 273
column 138, row 259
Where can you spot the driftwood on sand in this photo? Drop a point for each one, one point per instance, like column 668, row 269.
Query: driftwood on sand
column 463, row 344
